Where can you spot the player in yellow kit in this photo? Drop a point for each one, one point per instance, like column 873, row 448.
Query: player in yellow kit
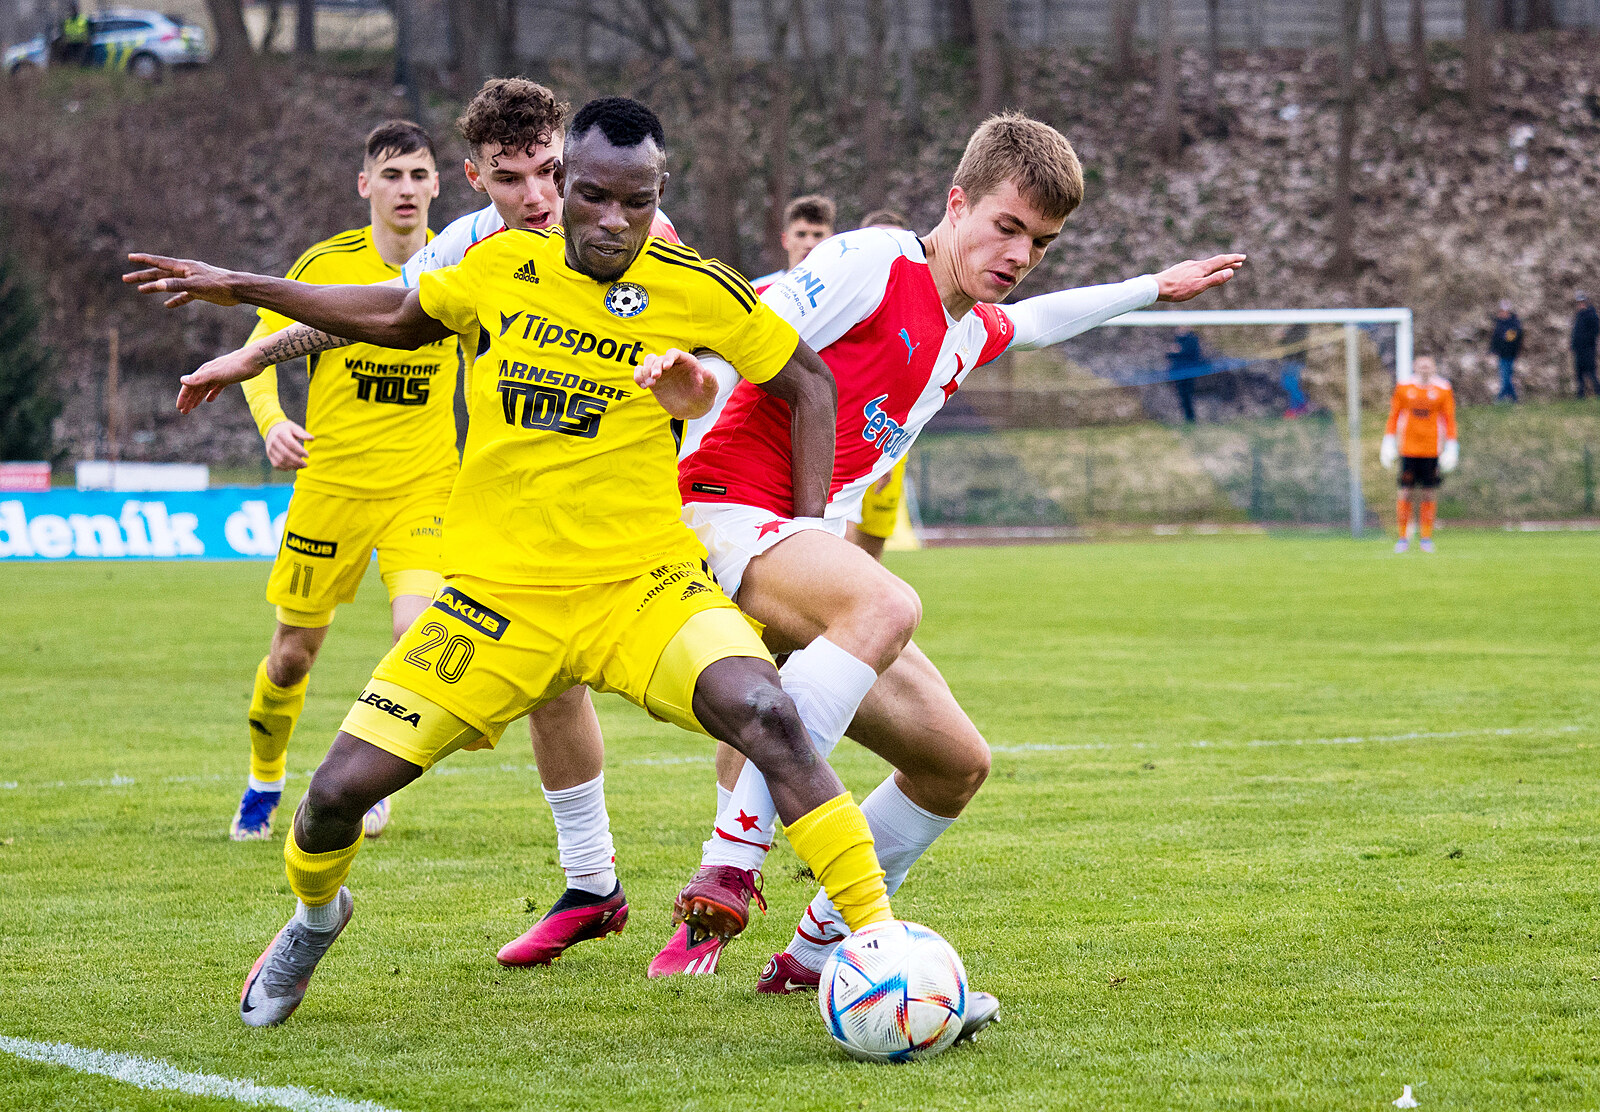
column 566, row 561
column 375, row 462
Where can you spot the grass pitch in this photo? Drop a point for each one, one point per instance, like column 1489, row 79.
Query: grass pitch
column 1273, row 823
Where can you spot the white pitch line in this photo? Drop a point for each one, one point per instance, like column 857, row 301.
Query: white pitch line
column 152, row 1073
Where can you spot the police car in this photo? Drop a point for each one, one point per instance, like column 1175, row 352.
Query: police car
column 140, row 42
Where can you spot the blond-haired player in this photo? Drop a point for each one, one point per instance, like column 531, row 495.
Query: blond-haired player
column 374, row 461
column 1421, row 438
column 902, row 321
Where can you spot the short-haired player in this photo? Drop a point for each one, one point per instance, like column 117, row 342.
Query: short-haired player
column 566, row 560
column 514, row 131
column 374, row 463
column 807, row 221
column 902, row 321
column 1421, row 438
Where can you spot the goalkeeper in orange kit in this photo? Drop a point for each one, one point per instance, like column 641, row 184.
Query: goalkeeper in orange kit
column 1421, row 437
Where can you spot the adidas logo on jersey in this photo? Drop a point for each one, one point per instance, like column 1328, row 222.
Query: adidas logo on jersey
column 527, row 273
column 695, row 589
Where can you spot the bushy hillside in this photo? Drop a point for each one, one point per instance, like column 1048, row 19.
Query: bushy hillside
column 1454, row 211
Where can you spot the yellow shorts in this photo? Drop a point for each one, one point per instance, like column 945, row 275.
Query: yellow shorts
column 880, row 507
column 487, row 653
column 328, row 542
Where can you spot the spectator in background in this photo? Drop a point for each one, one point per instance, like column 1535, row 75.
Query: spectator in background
column 1184, row 362
column 71, row 45
column 1585, row 331
column 1295, row 339
column 1505, row 345
column 807, row 221
column 885, row 218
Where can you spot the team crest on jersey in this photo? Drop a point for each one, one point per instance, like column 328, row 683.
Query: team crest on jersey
column 626, row 299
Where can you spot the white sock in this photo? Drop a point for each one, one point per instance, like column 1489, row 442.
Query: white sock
column 266, row 786
column 827, row 684
column 323, row 918
column 583, row 836
column 901, row 833
column 723, row 795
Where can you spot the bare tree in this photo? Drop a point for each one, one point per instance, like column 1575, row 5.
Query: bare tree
column 1476, row 51
column 1380, row 58
column 1421, row 77
column 910, row 95
column 716, row 139
column 1124, row 22
column 1540, row 15
column 988, row 26
column 305, row 27
column 875, row 106
column 1169, row 137
column 1343, row 262
column 274, row 21
column 776, row 14
column 233, row 53
column 1213, row 60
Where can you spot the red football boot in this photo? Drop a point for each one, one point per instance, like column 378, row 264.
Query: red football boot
column 717, row 901
column 576, row 917
column 784, row 974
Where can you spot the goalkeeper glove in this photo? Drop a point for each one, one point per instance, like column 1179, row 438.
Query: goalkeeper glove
column 1450, row 456
column 1389, row 452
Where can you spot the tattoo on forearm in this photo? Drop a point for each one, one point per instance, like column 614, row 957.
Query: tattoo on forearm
column 300, row 340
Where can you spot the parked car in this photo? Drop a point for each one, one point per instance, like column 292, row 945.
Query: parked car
column 140, row 42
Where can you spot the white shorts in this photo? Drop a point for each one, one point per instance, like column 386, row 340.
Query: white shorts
column 734, row 535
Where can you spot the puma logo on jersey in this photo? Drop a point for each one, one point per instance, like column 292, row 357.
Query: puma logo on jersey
column 527, row 273
column 911, row 348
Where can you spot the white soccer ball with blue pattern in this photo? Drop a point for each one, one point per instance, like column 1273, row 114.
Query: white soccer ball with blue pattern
column 892, row 992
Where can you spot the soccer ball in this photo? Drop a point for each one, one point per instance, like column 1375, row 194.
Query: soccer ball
column 892, row 992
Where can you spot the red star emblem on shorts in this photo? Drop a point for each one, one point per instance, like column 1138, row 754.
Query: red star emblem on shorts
column 747, row 822
column 770, row 527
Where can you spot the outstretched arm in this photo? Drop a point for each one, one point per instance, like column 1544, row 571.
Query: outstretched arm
column 255, row 358
column 384, row 315
column 1054, row 317
column 807, row 385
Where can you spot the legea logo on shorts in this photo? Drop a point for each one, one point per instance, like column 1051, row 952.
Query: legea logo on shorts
column 475, row 614
column 308, row 547
column 391, row 708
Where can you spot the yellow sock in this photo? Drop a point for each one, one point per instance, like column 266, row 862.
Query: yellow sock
column 316, row 877
column 835, row 841
column 273, row 712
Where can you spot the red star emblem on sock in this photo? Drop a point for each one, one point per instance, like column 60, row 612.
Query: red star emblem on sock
column 747, row 822
column 770, row 527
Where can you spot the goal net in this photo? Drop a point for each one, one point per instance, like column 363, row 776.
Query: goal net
column 1168, row 421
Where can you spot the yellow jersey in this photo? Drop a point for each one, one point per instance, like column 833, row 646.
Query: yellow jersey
column 570, row 473
column 383, row 418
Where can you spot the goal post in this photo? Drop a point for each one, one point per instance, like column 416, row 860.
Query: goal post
column 1351, row 319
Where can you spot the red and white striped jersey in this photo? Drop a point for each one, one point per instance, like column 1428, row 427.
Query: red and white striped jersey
column 866, row 301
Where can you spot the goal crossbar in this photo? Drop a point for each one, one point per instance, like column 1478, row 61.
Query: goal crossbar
column 1351, row 319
